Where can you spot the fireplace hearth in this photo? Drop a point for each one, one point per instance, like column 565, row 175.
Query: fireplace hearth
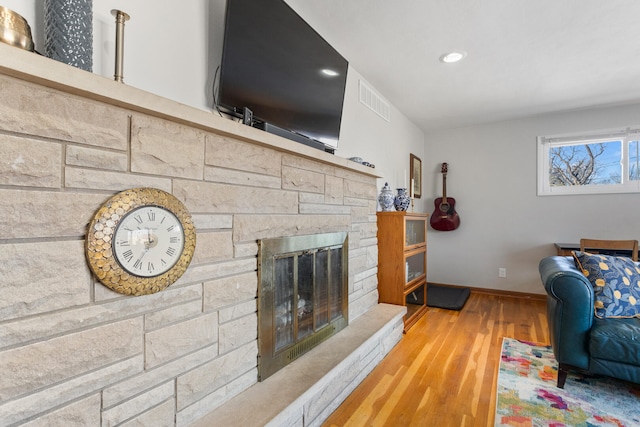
column 302, row 296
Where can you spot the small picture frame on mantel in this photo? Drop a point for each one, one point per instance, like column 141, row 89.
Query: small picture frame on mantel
column 415, row 166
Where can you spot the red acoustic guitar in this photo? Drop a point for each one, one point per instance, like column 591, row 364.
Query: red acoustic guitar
column 445, row 217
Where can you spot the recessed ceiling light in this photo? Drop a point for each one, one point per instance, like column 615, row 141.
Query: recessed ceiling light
column 455, row 56
column 329, row 72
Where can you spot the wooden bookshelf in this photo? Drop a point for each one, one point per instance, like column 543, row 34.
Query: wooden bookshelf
column 402, row 262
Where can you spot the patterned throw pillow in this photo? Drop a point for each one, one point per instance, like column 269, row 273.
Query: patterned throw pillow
column 615, row 281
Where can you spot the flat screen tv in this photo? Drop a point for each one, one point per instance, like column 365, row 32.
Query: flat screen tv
column 283, row 71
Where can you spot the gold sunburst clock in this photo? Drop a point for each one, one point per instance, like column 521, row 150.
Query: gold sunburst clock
column 140, row 241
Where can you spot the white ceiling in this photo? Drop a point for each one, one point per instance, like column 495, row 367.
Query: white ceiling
column 524, row 57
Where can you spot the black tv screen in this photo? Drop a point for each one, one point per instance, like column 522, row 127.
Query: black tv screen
column 277, row 66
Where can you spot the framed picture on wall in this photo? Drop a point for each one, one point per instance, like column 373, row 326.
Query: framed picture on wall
column 415, row 166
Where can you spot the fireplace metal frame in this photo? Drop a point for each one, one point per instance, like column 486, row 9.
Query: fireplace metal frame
column 271, row 360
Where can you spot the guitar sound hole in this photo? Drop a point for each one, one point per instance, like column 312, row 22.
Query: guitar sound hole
column 444, row 207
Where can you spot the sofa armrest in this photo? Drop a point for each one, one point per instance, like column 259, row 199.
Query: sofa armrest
column 570, row 311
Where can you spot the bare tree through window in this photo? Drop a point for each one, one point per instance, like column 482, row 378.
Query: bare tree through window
column 634, row 161
column 585, row 164
column 593, row 162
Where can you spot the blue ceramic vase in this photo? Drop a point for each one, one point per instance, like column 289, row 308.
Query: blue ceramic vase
column 386, row 198
column 402, row 200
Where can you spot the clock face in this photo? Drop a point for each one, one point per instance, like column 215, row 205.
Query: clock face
column 148, row 241
column 140, row 241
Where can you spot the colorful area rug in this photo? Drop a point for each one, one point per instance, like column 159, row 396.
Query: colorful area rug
column 528, row 396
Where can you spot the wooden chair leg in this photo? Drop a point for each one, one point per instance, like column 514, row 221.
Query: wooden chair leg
column 562, row 376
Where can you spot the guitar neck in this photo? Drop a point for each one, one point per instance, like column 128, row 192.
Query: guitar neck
column 444, row 188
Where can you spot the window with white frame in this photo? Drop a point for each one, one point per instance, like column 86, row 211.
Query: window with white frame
column 599, row 162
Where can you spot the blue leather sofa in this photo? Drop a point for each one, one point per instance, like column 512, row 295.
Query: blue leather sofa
column 580, row 340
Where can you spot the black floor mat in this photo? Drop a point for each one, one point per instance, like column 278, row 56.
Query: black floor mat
column 447, row 297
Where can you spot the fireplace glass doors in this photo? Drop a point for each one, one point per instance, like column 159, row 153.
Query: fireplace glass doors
column 302, row 296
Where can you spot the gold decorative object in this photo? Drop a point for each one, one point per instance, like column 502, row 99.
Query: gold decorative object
column 140, row 241
column 15, row 30
column 121, row 18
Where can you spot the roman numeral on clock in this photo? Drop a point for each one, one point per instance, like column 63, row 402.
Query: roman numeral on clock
column 128, row 255
column 171, row 251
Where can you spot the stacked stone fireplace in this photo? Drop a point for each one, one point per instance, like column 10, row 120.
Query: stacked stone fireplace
column 74, row 353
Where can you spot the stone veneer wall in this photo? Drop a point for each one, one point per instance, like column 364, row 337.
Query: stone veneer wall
column 74, row 353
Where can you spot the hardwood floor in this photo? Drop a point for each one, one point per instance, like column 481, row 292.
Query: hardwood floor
column 444, row 370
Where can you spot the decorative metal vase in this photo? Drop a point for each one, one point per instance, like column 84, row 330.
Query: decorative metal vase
column 386, row 198
column 402, row 200
column 68, row 32
column 15, row 30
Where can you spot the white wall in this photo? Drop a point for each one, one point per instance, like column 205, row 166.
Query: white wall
column 492, row 176
column 385, row 144
column 172, row 48
column 168, row 44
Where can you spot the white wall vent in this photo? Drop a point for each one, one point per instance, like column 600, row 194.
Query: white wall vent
column 372, row 100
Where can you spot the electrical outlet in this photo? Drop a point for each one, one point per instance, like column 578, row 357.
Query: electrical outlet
column 502, row 272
